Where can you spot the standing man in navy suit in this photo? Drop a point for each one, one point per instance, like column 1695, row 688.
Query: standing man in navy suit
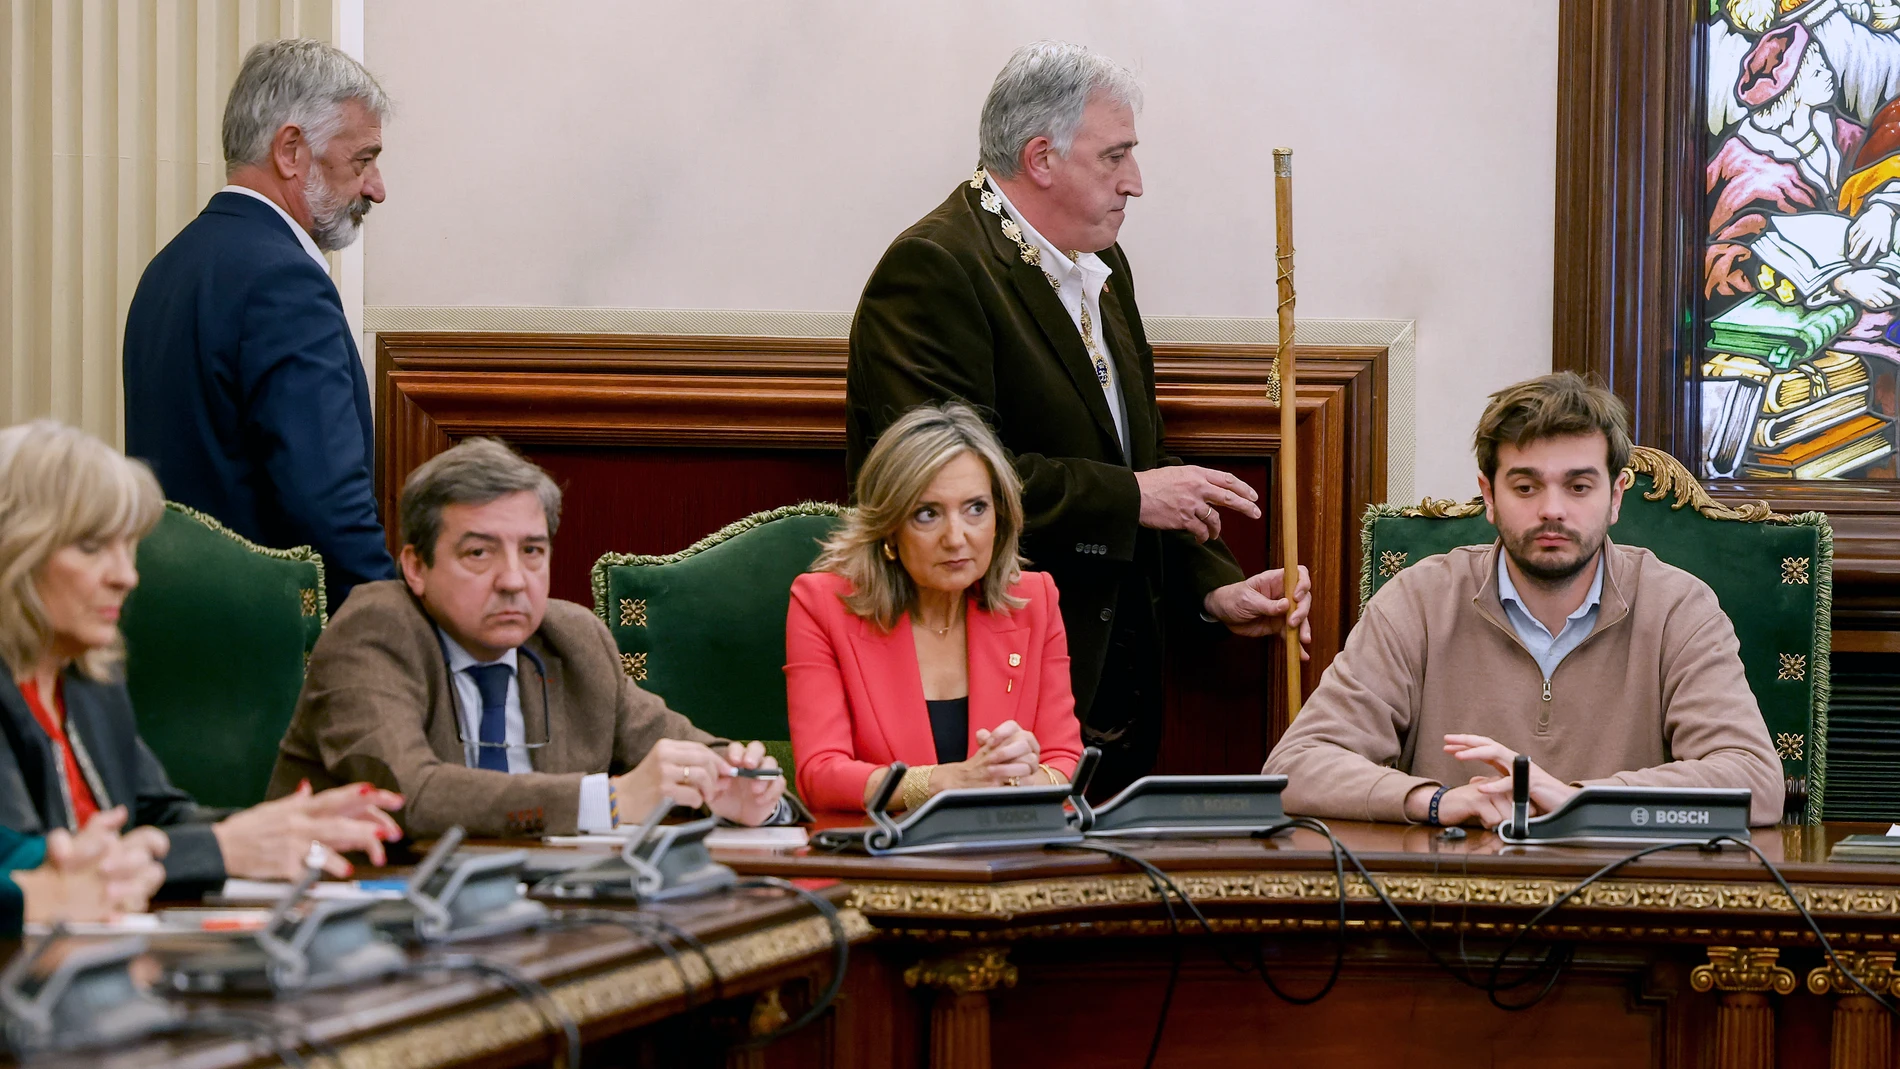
column 243, row 386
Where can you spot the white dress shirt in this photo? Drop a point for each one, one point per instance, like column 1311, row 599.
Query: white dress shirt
column 303, row 236
column 1082, row 280
column 595, row 814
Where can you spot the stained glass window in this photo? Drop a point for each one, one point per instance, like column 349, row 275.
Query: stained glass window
column 1801, row 265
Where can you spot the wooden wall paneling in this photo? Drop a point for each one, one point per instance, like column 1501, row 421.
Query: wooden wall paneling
column 642, row 426
column 1628, row 173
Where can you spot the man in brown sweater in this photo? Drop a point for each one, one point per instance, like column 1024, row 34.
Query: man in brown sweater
column 485, row 702
column 1598, row 661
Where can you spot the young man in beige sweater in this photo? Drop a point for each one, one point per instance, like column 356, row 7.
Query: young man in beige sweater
column 1598, row 661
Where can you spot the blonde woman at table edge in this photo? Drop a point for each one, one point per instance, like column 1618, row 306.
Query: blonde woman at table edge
column 72, row 512
column 917, row 636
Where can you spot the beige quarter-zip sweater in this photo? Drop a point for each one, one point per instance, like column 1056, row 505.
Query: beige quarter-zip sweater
column 1655, row 696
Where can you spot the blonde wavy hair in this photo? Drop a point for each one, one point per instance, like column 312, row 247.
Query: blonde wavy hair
column 60, row 486
column 895, row 475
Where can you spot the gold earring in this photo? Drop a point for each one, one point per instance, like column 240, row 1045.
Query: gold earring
column 889, row 553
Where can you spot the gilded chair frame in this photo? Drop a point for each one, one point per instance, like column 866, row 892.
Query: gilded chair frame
column 1671, row 480
column 598, row 577
column 300, row 554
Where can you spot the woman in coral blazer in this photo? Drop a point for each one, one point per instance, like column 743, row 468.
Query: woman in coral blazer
column 918, row 638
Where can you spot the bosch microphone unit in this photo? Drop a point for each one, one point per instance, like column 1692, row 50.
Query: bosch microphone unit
column 83, row 996
column 655, row 864
column 1190, row 806
column 969, row 819
column 453, row 897
column 1521, row 796
column 1618, row 816
column 327, row 944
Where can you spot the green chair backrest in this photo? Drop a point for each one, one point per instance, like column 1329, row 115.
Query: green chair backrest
column 216, row 636
column 704, row 628
column 1773, row 575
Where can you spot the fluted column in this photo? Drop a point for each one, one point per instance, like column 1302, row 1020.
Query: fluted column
column 960, row 1014
column 1863, row 1033
column 1745, row 1017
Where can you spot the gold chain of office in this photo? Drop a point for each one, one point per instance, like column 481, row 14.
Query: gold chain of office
column 993, row 203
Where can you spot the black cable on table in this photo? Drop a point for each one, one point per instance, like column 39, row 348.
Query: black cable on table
column 1259, row 964
column 1555, row 960
column 1159, row 881
column 1807, row 917
column 840, row 959
column 530, row 990
column 650, row 928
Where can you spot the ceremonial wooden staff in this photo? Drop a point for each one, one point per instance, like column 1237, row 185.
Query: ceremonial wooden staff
column 1289, row 442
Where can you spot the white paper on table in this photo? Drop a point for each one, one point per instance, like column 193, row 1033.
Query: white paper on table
column 272, row 891
column 165, row 920
column 784, row 837
column 780, row 837
column 608, row 839
column 1893, row 829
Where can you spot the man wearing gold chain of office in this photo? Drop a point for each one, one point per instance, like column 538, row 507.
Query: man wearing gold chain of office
column 1013, row 296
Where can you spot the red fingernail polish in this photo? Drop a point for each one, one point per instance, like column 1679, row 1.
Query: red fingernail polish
column 365, row 789
column 303, row 785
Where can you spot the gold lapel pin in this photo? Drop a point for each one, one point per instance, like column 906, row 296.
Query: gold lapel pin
column 1015, row 660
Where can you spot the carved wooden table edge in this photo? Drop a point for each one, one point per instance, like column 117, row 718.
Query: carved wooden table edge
column 614, row 992
column 890, row 902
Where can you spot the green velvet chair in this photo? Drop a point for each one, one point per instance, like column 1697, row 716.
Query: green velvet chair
column 216, row 636
column 1773, row 575
column 704, row 628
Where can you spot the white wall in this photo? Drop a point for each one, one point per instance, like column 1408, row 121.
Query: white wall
column 760, row 155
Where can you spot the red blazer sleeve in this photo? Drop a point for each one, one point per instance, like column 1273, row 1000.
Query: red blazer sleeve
column 830, row 775
column 1055, row 725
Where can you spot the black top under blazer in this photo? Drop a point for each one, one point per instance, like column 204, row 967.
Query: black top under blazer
column 244, row 391
column 122, row 771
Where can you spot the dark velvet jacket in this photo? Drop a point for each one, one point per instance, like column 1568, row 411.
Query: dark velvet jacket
column 118, row 767
column 952, row 311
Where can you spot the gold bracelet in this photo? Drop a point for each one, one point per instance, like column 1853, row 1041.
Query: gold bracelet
column 915, row 788
column 1055, row 778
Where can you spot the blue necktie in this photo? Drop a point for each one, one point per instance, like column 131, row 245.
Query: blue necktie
column 492, row 681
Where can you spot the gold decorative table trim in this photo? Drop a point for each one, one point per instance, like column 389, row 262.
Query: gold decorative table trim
column 1031, row 898
column 471, row 1034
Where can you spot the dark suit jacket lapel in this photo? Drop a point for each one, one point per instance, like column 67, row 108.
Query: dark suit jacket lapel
column 443, row 726
column 33, row 753
column 1125, row 355
column 996, row 686
column 1047, row 310
column 897, row 694
column 95, row 751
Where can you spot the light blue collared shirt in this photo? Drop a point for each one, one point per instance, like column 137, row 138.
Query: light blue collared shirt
column 1546, row 649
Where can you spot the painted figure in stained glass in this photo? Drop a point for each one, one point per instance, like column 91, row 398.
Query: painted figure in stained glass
column 1801, row 280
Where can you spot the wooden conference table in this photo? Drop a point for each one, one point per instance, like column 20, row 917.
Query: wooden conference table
column 1061, row 957
column 634, row 1004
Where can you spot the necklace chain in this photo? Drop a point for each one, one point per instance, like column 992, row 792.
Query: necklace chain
column 993, row 203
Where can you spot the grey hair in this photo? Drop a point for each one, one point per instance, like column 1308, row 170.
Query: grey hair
column 477, row 471
column 294, row 82
column 1041, row 92
column 899, row 469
